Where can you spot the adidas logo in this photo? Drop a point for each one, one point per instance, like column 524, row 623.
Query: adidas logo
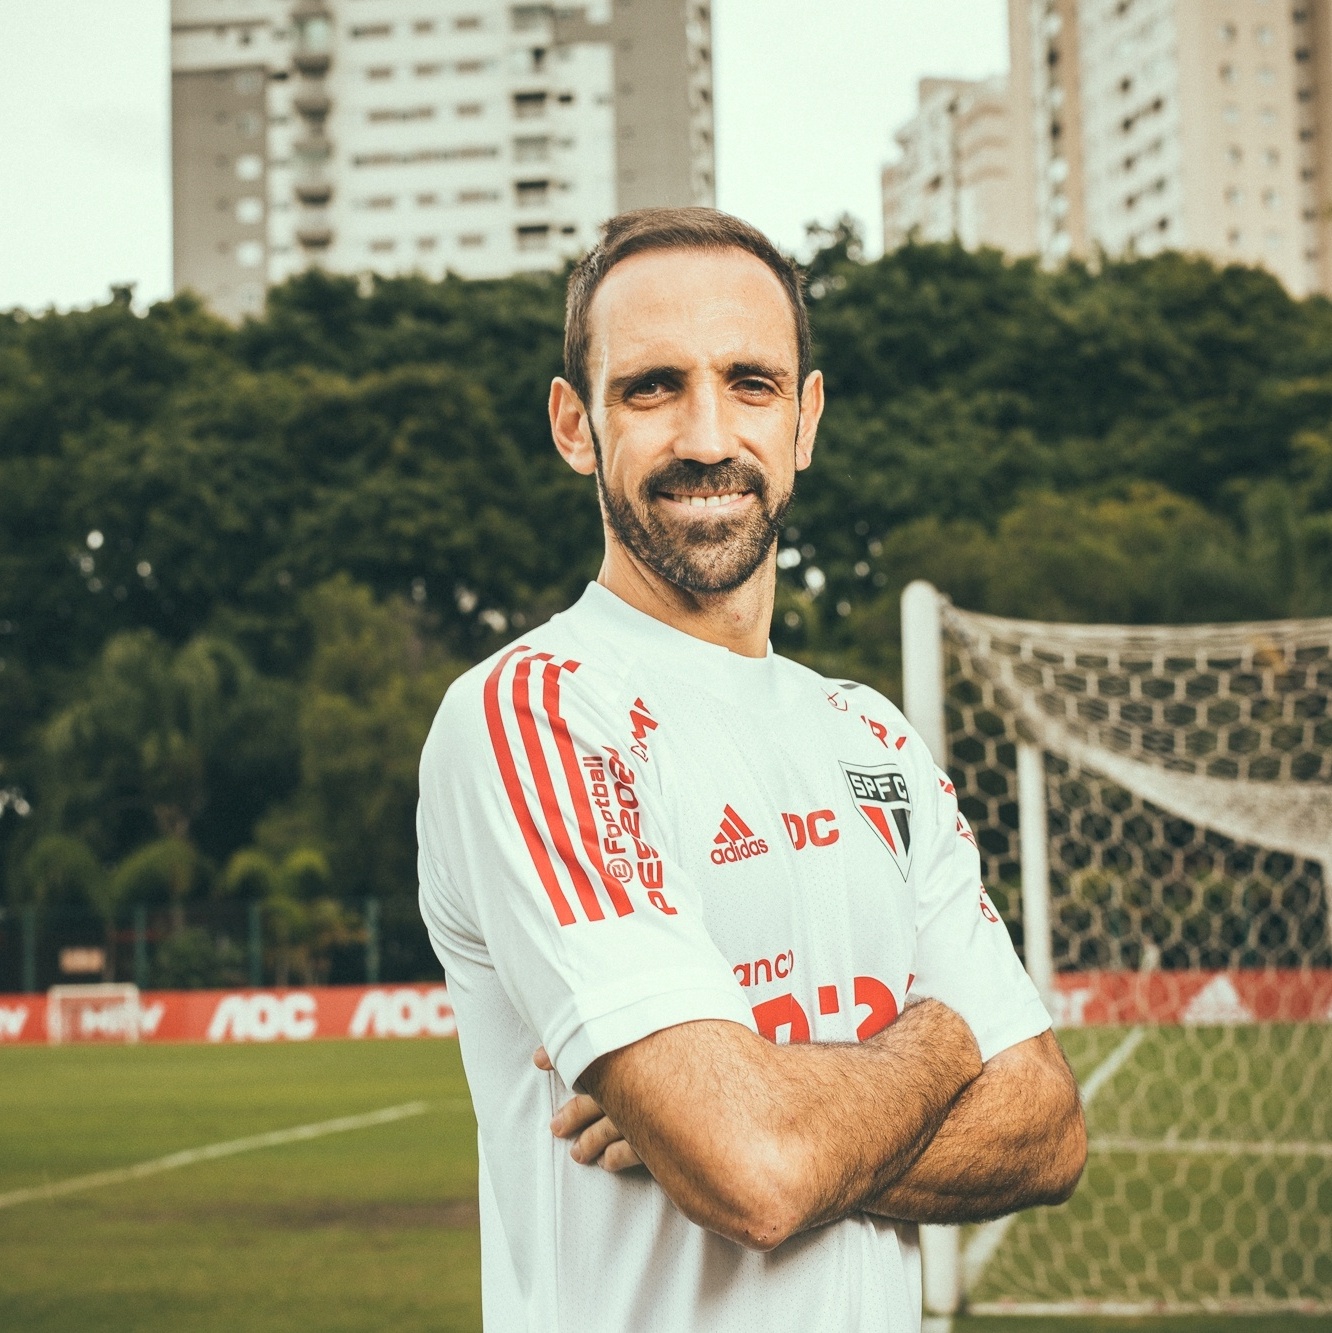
column 735, row 841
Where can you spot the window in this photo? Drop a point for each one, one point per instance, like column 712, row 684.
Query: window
column 1235, row 236
column 528, row 106
column 249, row 124
column 467, row 22
column 1229, row 32
column 1271, row 198
column 250, row 254
column 1234, row 155
column 379, row 72
column 1227, row 73
column 1266, row 75
column 565, row 98
column 380, row 201
column 532, row 148
column 382, row 114
column 249, row 210
column 1263, row 34
column 526, row 17
column 372, row 30
column 1272, row 240
column 1267, row 115
column 532, row 193
column 469, row 66
column 426, row 242
column 532, row 238
column 1230, row 113
column 428, row 70
column 423, row 26
column 382, row 247
column 471, row 239
column 249, row 167
column 427, row 200
column 249, row 83
column 478, row 196
column 1234, row 196
column 1272, row 157
column 466, row 109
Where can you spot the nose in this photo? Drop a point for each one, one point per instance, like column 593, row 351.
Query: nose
column 703, row 435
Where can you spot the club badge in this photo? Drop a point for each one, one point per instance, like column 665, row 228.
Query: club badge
column 880, row 794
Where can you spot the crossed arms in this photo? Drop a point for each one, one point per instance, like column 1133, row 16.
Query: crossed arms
column 759, row 1142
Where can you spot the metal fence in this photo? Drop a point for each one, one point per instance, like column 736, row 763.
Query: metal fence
column 203, row 945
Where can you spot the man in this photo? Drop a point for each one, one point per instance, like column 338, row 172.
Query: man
column 733, row 903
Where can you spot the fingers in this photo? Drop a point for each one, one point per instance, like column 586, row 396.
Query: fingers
column 542, row 1060
column 619, row 1156
column 575, row 1116
column 594, row 1141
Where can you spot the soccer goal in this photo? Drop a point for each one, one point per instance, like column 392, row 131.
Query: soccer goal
column 1153, row 806
column 105, row 1012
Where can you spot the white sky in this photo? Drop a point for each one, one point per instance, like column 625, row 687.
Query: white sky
column 808, row 93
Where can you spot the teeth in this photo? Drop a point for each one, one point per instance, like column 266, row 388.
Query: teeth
column 709, row 501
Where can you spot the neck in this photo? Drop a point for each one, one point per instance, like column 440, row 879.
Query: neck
column 738, row 620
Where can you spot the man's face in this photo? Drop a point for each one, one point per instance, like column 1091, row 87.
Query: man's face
column 694, row 412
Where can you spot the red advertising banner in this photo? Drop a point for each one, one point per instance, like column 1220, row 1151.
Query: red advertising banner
column 287, row 1014
column 1082, row 999
column 1088, row 999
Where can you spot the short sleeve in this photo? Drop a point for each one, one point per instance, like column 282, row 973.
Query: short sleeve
column 541, row 832
column 964, row 956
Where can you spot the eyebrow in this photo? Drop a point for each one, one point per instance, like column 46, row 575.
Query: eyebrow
column 737, row 370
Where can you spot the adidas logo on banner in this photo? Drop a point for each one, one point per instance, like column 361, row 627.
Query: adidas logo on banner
column 735, row 841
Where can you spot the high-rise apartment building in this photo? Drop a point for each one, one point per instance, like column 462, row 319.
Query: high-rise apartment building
column 955, row 177
column 425, row 135
column 1195, row 125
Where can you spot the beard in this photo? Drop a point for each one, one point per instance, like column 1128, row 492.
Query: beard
column 714, row 556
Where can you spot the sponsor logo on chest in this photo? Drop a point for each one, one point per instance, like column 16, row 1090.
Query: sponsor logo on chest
column 880, row 794
column 735, row 840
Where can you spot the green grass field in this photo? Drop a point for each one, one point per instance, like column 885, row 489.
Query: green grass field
column 370, row 1229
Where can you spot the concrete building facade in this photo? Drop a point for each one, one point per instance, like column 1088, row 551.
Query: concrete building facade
column 1194, row 125
column 397, row 136
column 956, row 176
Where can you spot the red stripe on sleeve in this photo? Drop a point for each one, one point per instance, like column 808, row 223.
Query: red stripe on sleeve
column 513, row 788
column 550, row 805
column 573, row 775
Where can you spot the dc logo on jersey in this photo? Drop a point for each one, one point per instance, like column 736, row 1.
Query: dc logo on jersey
column 881, row 796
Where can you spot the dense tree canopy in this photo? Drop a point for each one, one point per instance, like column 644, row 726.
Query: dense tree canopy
column 238, row 567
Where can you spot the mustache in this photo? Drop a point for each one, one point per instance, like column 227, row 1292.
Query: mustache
column 686, row 474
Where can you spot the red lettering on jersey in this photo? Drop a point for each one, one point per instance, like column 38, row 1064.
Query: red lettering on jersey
column 882, row 1006
column 987, row 911
column 782, row 1011
column 641, row 721
column 658, row 900
column 828, row 1001
column 805, row 830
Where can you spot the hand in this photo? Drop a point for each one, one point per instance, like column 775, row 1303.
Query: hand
column 596, row 1141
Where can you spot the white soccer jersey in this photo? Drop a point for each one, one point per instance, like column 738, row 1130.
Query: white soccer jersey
column 624, row 828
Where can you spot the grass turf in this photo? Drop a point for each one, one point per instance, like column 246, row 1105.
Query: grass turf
column 372, row 1228
column 369, row 1229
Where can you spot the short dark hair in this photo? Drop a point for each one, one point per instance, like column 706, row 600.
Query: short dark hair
column 646, row 229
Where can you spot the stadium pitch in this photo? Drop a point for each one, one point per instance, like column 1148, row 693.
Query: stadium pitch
column 292, row 1187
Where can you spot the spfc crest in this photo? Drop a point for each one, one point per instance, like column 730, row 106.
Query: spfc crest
column 881, row 795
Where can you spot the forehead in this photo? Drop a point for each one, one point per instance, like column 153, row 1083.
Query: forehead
column 681, row 306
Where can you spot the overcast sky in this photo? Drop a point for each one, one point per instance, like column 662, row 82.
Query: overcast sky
column 808, row 93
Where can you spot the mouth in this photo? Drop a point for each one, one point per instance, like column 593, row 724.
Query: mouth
column 725, row 500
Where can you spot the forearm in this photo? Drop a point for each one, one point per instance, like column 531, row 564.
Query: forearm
column 792, row 1136
column 1013, row 1139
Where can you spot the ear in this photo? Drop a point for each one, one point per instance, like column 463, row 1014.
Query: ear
column 811, row 410
column 570, row 428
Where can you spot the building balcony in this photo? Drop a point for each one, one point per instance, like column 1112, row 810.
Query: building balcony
column 313, row 103
column 315, row 236
column 312, row 151
column 313, row 64
column 314, row 190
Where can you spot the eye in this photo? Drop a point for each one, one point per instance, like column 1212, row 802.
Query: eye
column 652, row 387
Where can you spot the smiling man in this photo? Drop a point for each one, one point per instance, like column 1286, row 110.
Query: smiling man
column 702, row 910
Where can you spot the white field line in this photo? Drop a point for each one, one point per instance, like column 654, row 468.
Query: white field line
column 1128, row 1309
column 1200, row 1147
column 210, row 1152
column 986, row 1239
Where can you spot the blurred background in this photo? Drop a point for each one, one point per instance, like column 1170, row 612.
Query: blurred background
column 282, row 284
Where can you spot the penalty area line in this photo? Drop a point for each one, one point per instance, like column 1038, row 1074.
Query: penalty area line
column 212, row 1151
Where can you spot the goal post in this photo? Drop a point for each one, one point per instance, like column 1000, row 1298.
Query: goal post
column 105, row 1012
column 1153, row 809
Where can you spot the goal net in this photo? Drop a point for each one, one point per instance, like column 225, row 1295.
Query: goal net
column 1153, row 807
column 103, row 1013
